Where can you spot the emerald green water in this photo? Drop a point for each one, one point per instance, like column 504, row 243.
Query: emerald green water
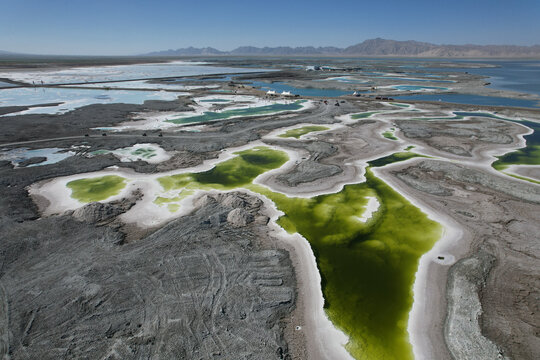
column 296, row 133
column 367, row 268
column 96, row 189
column 363, row 115
column 252, row 111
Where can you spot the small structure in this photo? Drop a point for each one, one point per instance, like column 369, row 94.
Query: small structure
column 287, row 93
column 271, row 93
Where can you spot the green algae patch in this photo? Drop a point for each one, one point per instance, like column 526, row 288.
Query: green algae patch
column 249, row 111
column 236, row 172
column 296, row 133
column 96, row 189
column 389, row 134
column 363, row 115
column 368, row 269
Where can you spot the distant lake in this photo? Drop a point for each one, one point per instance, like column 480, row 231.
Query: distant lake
column 516, row 75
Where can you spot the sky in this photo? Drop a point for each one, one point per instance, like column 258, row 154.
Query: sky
column 122, row 27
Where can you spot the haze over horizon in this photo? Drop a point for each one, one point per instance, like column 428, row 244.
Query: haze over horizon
column 122, row 27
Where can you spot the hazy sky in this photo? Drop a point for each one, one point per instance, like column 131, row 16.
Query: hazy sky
column 110, row 27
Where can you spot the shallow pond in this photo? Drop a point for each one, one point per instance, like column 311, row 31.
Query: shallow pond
column 71, row 99
column 52, row 155
column 96, row 189
column 417, row 88
column 242, row 112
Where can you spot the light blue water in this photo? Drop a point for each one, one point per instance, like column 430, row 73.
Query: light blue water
column 5, row 84
column 74, row 98
column 417, row 88
column 19, row 155
column 280, row 87
column 472, row 100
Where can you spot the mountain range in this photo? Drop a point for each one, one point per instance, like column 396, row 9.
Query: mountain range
column 372, row 47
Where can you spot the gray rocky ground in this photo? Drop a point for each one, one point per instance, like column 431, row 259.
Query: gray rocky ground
column 492, row 293
column 208, row 285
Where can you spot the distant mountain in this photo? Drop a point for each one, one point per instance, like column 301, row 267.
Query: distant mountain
column 389, row 47
column 190, row 51
column 7, row 53
column 372, row 47
column 286, row 50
